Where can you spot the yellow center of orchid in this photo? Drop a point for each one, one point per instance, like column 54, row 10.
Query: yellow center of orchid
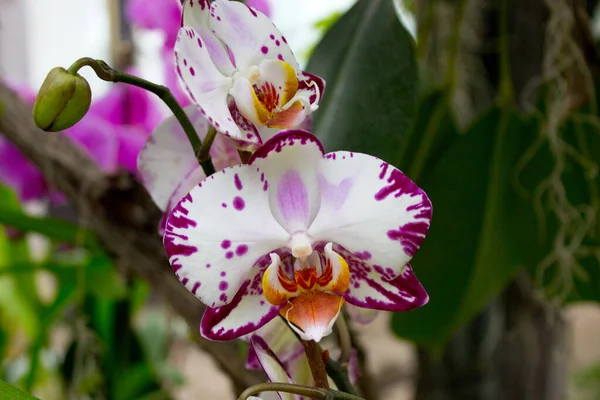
column 271, row 95
column 311, row 299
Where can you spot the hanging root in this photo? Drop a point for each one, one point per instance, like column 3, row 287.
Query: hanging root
column 566, row 76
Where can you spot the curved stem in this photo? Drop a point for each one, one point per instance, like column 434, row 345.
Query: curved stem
column 106, row 73
column 308, row 391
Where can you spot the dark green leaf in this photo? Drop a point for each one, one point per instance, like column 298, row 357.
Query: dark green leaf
column 469, row 253
column 368, row 61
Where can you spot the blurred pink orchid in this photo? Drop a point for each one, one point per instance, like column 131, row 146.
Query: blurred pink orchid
column 112, row 134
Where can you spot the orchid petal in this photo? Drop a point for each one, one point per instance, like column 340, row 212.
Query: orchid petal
column 98, row 139
column 313, row 86
column 248, row 103
column 249, row 34
column 272, row 366
column 218, row 230
column 131, row 140
column 289, row 161
column 281, row 340
column 164, row 15
column 361, row 315
column 196, row 15
column 336, row 274
column 282, row 77
column 371, row 209
column 378, row 289
column 20, row 174
column 312, row 314
column 277, row 286
column 167, row 157
column 207, row 87
column 247, row 312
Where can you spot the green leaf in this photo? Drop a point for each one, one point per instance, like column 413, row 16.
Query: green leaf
column 51, row 227
column 368, row 61
column 10, row 392
column 469, row 253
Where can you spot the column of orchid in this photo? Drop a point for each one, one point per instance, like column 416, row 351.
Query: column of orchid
column 283, row 237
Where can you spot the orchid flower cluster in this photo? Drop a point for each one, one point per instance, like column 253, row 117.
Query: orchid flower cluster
column 283, row 231
column 283, row 238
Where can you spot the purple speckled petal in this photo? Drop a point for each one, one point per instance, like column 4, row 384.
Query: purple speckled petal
column 289, row 161
column 273, row 367
column 217, row 232
column 172, row 79
column 167, row 158
column 249, row 34
column 196, row 15
column 281, row 340
column 206, row 86
column 378, row 289
column 370, row 208
column 247, row 312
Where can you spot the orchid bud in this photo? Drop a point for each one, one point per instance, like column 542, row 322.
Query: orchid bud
column 63, row 100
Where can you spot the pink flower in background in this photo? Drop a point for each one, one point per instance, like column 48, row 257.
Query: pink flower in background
column 112, row 134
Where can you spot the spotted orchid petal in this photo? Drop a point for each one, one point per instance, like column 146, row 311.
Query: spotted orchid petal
column 383, row 290
column 167, row 164
column 249, row 34
column 206, row 85
column 247, row 311
column 280, row 338
column 371, row 209
column 272, row 365
column 196, row 14
column 218, row 230
column 289, row 161
column 312, row 314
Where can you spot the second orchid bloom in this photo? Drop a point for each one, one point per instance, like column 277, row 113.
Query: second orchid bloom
column 297, row 232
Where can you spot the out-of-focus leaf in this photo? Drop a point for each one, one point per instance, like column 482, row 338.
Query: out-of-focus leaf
column 368, row 61
column 10, row 392
column 51, row 227
column 469, row 253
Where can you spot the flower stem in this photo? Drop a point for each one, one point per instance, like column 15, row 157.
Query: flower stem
column 344, row 340
column 106, row 73
column 307, row 391
column 315, row 360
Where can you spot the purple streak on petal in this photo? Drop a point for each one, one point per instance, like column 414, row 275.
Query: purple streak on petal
column 410, row 236
column 335, row 194
column 292, row 197
column 178, row 219
column 313, row 83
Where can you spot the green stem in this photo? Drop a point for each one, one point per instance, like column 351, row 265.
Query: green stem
column 344, row 340
column 308, row 391
column 106, row 73
column 506, row 92
column 339, row 376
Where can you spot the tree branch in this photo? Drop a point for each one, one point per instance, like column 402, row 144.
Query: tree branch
column 121, row 213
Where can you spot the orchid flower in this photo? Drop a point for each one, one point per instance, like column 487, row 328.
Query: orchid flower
column 238, row 68
column 297, row 232
column 165, row 16
column 168, row 166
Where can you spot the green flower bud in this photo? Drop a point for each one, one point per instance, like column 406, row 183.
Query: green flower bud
column 63, row 100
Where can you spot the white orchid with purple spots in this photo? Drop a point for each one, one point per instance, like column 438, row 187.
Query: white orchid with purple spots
column 297, row 232
column 238, row 68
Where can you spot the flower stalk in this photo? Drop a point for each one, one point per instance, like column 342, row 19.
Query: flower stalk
column 344, row 340
column 316, row 362
column 308, row 391
column 106, row 73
